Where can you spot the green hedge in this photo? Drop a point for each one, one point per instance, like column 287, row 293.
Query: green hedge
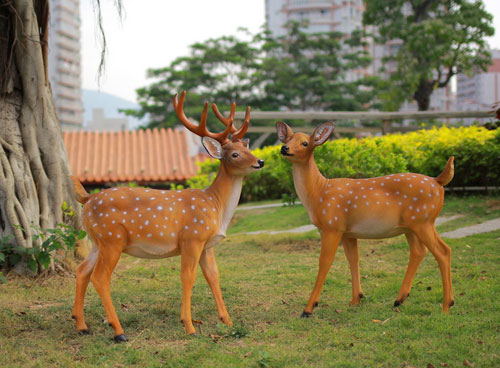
column 476, row 151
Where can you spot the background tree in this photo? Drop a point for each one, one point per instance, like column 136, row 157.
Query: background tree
column 34, row 168
column 217, row 70
column 302, row 71
column 439, row 38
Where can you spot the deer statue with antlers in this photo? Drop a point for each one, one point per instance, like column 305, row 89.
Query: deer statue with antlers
column 345, row 210
column 149, row 223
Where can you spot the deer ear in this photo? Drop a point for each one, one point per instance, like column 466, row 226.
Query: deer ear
column 323, row 132
column 213, row 147
column 246, row 142
column 284, row 131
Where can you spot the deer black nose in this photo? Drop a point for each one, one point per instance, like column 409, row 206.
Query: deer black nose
column 261, row 163
column 284, row 149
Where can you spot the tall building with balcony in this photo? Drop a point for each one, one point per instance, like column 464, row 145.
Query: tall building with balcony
column 322, row 15
column 344, row 16
column 480, row 91
column 64, row 62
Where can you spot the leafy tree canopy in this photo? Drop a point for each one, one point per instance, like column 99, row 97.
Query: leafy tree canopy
column 301, row 71
column 438, row 39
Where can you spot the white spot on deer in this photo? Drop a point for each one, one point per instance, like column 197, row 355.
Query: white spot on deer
column 382, row 184
column 137, row 198
column 377, row 202
column 171, row 209
column 186, row 227
column 110, row 233
column 161, row 233
column 113, row 222
column 413, row 217
column 400, row 203
column 100, row 202
column 367, row 203
column 411, row 185
column 173, row 234
column 415, row 199
column 118, row 236
column 324, row 211
column 321, row 199
column 183, row 210
column 94, row 225
column 410, row 207
column 152, row 198
column 132, row 221
column 140, row 214
column 149, row 235
column 196, row 231
column 193, row 207
column 146, row 222
column 335, row 218
column 100, row 215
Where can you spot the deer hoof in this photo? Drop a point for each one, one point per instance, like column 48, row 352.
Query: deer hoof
column 315, row 305
column 397, row 303
column 361, row 296
column 452, row 303
column 84, row 332
column 305, row 314
column 120, row 338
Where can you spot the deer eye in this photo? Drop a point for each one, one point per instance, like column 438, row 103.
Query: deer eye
column 304, row 144
column 235, row 154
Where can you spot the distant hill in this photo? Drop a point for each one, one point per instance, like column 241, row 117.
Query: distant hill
column 94, row 99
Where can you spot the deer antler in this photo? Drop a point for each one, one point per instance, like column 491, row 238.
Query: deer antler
column 201, row 129
column 236, row 135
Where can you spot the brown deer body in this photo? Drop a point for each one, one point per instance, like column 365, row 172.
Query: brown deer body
column 150, row 223
column 345, row 210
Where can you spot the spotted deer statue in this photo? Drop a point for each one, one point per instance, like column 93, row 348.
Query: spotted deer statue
column 345, row 210
column 149, row 223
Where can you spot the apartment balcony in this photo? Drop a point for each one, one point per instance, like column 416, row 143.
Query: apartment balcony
column 71, row 81
column 301, row 5
column 72, row 45
column 66, row 29
column 67, row 92
column 68, row 56
column 71, row 107
column 75, row 120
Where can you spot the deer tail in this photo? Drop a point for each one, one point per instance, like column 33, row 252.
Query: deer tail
column 82, row 195
column 445, row 177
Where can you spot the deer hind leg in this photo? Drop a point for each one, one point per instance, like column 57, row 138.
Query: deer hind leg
column 211, row 273
column 109, row 254
column 83, row 273
column 351, row 252
column 417, row 254
column 428, row 235
column 329, row 244
column 190, row 258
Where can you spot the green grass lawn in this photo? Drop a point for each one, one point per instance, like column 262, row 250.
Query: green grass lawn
column 266, row 281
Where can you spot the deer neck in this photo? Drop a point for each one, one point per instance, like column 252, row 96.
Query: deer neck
column 226, row 190
column 309, row 184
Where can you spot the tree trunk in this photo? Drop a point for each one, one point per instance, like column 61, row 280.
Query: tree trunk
column 423, row 95
column 34, row 167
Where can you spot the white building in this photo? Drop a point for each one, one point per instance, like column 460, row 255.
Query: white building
column 344, row 16
column 64, row 62
column 322, row 15
column 481, row 90
column 100, row 123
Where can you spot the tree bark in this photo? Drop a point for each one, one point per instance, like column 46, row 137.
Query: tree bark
column 34, row 166
column 423, row 95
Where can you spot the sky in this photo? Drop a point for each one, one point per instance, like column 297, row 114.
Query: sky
column 153, row 33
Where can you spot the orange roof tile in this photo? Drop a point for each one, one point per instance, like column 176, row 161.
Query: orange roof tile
column 151, row 155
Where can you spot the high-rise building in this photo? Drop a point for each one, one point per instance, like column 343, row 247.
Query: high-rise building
column 64, row 62
column 322, row 15
column 344, row 16
column 481, row 90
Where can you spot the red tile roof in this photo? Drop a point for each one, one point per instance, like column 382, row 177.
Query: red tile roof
column 151, row 155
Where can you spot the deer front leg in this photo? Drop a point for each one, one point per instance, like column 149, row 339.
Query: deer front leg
column 211, row 273
column 329, row 243
column 190, row 257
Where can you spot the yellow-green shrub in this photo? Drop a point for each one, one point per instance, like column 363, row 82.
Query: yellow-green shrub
column 476, row 151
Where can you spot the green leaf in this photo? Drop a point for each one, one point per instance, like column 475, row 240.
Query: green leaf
column 32, row 265
column 44, row 259
column 2, row 257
